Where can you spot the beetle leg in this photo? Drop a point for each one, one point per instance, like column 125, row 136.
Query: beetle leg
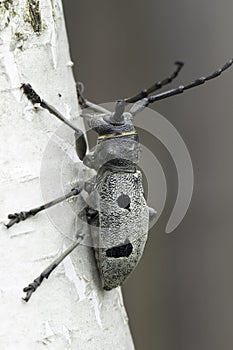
column 80, row 144
column 36, row 99
column 31, row 288
column 23, row 215
column 84, row 103
column 89, row 216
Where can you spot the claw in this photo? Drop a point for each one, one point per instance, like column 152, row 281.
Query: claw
column 29, row 292
column 17, row 217
column 32, row 287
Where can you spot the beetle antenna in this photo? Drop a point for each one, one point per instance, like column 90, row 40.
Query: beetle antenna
column 158, row 85
column 195, row 83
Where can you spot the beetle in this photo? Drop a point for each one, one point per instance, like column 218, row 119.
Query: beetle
column 116, row 212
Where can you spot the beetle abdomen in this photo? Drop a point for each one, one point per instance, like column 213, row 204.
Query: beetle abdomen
column 114, row 270
column 123, row 226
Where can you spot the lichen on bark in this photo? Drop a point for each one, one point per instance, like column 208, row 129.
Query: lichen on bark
column 35, row 15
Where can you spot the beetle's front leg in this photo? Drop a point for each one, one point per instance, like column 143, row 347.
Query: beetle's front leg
column 84, row 103
column 81, row 144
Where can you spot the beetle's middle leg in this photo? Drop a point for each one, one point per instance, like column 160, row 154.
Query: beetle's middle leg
column 23, row 215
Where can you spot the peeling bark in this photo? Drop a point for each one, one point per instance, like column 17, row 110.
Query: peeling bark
column 69, row 310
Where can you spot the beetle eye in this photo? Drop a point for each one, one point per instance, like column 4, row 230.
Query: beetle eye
column 124, row 201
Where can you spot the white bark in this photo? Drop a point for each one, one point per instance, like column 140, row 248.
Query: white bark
column 69, row 310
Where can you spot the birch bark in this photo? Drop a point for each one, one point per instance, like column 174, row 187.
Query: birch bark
column 69, row 310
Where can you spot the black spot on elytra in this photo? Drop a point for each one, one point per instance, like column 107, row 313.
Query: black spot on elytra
column 120, row 251
column 124, row 201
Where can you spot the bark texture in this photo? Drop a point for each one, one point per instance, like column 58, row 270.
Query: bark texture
column 69, row 310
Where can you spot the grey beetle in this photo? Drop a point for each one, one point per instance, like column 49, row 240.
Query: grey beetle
column 116, row 211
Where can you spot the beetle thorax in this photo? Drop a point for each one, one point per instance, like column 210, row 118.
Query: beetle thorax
column 117, row 142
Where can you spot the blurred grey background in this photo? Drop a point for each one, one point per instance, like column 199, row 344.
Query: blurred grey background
column 181, row 294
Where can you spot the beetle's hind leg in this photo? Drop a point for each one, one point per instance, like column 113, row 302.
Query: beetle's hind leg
column 32, row 287
column 23, row 215
column 89, row 216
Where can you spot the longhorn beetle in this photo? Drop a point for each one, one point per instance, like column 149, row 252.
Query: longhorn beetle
column 116, row 210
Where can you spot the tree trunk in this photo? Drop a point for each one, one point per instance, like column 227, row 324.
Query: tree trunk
column 69, row 310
